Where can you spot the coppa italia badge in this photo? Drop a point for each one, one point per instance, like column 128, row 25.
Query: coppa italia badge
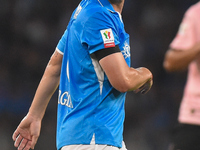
column 108, row 38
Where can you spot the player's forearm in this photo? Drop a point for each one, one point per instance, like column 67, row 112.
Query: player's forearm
column 177, row 60
column 131, row 79
column 47, row 86
column 44, row 92
column 121, row 76
column 42, row 97
column 138, row 77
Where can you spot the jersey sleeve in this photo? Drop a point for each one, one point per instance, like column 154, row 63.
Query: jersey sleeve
column 100, row 31
column 186, row 36
column 61, row 44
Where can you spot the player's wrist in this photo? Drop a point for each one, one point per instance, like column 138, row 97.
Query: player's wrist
column 34, row 116
column 146, row 73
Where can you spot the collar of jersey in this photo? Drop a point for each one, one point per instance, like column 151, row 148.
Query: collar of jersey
column 106, row 4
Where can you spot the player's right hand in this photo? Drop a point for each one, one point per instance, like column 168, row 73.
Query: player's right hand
column 27, row 133
column 145, row 87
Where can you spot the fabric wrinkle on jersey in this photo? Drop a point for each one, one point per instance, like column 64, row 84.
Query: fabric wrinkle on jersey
column 88, row 105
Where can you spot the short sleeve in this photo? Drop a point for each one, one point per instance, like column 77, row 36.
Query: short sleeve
column 186, row 36
column 100, row 31
column 62, row 43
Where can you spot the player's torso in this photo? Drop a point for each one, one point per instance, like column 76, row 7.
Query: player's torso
column 190, row 106
column 84, row 98
column 78, row 63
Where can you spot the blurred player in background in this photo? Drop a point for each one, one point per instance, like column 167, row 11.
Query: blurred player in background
column 91, row 65
column 185, row 52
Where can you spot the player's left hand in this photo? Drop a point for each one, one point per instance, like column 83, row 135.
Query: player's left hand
column 27, row 133
column 145, row 87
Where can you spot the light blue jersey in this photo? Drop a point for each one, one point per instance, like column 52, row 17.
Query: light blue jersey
column 88, row 105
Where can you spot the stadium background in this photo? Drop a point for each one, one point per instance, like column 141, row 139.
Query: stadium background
column 29, row 32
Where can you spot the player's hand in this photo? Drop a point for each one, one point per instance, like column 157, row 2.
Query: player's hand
column 27, row 133
column 145, row 87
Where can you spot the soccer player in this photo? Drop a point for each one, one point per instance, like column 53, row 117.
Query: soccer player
column 185, row 52
column 91, row 65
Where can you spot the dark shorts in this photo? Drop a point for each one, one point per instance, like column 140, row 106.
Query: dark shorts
column 185, row 137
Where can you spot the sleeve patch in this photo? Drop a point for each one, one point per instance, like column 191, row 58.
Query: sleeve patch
column 108, row 38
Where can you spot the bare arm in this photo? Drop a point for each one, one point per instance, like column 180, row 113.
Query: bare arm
column 121, row 76
column 178, row 60
column 47, row 86
column 27, row 133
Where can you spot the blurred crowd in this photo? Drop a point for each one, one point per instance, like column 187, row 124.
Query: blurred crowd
column 29, row 33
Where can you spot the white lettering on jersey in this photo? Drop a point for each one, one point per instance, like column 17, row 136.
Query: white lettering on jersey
column 126, row 50
column 65, row 99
